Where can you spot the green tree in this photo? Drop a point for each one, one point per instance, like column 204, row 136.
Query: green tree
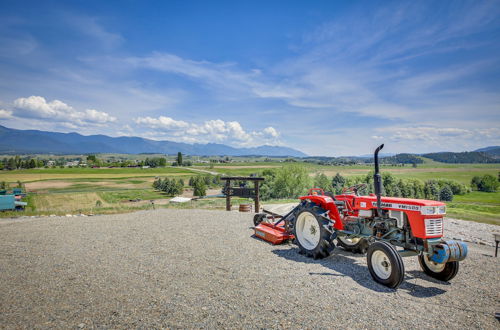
column 291, row 181
column 338, row 182
column 32, row 163
column 431, row 189
column 445, row 194
column 11, row 164
column 488, row 183
column 179, row 158
column 321, row 181
column 200, row 189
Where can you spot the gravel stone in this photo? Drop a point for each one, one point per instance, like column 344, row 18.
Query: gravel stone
column 173, row 268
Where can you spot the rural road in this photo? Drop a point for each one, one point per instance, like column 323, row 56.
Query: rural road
column 203, row 269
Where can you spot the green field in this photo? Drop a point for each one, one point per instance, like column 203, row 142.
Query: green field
column 476, row 206
column 109, row 190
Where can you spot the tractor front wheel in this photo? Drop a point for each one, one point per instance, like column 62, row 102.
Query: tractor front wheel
column 442, row 272
column 353, row 244
column 313, row 239
column 385, row 264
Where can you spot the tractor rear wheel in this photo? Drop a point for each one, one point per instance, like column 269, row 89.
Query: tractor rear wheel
column 442, row 272
column 353, row 244
column 311, row 233
column 385, row 264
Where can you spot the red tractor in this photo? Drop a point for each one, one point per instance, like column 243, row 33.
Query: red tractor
column 386, row 228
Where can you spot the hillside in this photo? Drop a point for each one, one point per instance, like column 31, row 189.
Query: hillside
column 462, row 157
column 491, row 151
column 13, row 141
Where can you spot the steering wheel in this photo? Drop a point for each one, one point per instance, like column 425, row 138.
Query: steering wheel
column 354, row 189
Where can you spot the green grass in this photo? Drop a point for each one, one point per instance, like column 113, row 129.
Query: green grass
column 117, row 170
column 464, row 176
column 476, row 206
column 118, row 196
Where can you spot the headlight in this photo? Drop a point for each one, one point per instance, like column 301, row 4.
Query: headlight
column 428, row 210
column 432, row 210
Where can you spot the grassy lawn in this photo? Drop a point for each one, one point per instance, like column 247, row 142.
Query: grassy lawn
column 476, row 206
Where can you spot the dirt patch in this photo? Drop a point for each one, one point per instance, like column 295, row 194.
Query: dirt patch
column 38, row 185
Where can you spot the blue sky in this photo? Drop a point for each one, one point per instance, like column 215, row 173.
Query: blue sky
column 325, row 77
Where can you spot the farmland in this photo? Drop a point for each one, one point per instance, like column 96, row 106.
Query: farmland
column 116, row 190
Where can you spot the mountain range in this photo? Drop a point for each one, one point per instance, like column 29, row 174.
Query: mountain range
column 15, row 141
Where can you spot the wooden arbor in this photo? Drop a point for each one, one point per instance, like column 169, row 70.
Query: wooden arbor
column 242, row 191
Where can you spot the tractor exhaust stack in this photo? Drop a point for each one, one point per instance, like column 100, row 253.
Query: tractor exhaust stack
column 377, row 181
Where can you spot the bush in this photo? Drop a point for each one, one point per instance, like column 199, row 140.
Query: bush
column 446, row 194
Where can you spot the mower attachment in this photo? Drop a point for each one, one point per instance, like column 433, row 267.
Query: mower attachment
column 273, row 233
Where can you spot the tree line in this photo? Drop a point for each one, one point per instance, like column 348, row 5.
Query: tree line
column 15, row 163
column 293, row 180
column 199, row 183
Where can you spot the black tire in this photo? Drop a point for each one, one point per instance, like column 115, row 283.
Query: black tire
column 359, row 247
column 449, row 271
column 258, row 218
column 385, row 264
column 324, row 245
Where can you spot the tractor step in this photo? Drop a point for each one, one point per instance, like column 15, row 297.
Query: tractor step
column 275, row 234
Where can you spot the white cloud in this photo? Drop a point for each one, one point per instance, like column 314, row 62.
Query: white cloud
column 162, row 122
column 230, row 132
column 441, row 136
column 5, row 114
column 271, row 131
column 38, row 107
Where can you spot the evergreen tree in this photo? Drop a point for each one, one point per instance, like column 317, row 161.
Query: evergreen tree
column 338, row 182
column 446, row 194
column 179, row 158
column 431, row 189
column 199, row 187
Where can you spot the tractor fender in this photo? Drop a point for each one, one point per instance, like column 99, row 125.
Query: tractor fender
column 327, row 203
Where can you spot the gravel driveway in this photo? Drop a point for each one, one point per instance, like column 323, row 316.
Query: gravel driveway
column 197, row 268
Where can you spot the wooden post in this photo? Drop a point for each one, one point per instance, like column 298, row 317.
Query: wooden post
column 228, row 195
column 257, row 199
